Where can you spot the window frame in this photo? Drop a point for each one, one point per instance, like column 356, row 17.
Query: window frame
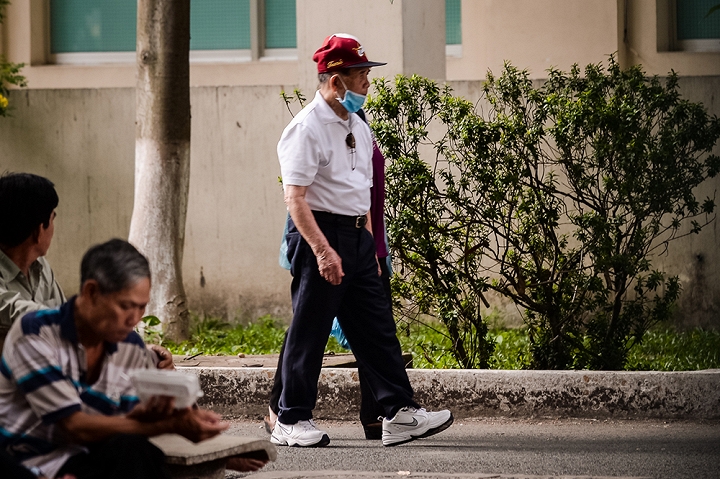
column 256, row 52
column 667, row 29
column 454, row 50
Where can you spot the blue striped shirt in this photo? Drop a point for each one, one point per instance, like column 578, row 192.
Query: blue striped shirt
column 43, row 374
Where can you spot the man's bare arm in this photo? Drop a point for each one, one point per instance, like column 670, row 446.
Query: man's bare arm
column 194, row 424
column 329, row 262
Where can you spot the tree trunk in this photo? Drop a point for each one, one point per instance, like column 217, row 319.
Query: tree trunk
column 162, row 154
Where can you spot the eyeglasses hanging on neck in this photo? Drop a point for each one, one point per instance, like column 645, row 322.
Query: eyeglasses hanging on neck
column 350, row 142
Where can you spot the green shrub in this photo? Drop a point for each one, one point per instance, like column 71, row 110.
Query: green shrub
column 557, row 197
column 9, row 72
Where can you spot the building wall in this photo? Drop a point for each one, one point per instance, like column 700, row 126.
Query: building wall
column 540, row 34
column 83, row 140
column 648, row 42
column 407, row 34
column 75, row 125
column 534, row 35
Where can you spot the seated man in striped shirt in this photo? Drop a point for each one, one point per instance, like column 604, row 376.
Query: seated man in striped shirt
column 67, row 407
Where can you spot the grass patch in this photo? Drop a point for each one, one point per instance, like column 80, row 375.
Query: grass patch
column 661, row 349
column 213, row 337
column 667, row 350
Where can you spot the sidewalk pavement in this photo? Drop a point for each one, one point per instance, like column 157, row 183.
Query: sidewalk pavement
column 507, row 448
column 232, row 388
column 402, row 474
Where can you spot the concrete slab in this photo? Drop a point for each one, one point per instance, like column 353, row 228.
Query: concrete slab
column 207, row 459
column 330, row 360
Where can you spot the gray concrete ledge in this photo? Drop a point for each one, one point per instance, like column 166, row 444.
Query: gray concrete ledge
column 401, row 474
column 477, row 393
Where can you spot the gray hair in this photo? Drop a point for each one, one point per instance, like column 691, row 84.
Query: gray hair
column 324, row 77
column 115, row 265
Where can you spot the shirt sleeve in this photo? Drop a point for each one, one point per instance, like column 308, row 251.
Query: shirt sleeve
column 299, row 156
column 13, row 307
column 36, row 370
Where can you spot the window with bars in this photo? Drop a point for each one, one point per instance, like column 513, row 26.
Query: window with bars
column 279, row 23
column 697, row 25
column 90, row 31
column 453, row 30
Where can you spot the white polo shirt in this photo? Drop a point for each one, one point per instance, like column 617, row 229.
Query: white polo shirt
column 313, row 153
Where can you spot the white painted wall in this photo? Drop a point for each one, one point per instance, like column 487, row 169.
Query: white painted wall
column 83, row 140
column 76, row 126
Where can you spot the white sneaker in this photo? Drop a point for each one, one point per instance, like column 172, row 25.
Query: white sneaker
column 303, row 434
column 410, row 424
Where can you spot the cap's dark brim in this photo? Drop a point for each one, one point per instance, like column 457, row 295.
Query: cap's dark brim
column 356, row 65
column 366, row 65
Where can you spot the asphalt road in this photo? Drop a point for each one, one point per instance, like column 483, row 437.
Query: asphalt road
column 515, row 448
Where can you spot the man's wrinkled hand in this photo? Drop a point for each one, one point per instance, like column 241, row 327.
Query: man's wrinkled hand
column 198, row 424
column 165, row 359
column 330, row 266
column 154, row 409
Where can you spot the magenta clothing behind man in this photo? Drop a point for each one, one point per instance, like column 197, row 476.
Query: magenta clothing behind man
column 377, row 202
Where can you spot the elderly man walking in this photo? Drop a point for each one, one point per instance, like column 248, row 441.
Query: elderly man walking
column 325, row 158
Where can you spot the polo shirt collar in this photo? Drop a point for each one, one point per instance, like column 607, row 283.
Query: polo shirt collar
column 325, row 113
column 8, row 269
column 68, row 329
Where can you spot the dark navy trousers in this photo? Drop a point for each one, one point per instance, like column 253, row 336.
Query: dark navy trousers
column 364, row 313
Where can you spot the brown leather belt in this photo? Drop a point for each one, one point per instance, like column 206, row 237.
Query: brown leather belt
column 340, row 220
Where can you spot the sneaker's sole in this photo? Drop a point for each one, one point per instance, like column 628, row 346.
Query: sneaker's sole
column 404, row 441
column 428, row 433
column 324, row 441
column 440, row 428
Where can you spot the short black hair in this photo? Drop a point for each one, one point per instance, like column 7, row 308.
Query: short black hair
column 115, row 265
column 26, row 202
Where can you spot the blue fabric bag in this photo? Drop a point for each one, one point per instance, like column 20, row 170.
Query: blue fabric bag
column 338, row 334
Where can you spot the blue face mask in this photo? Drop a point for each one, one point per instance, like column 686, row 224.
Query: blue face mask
column 352, row 101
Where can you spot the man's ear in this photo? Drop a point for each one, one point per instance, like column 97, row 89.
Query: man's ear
column 90, row 290
column 335, row 82
column 36, row 234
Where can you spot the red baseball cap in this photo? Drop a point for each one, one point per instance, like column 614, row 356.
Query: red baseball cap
column 341, row 50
